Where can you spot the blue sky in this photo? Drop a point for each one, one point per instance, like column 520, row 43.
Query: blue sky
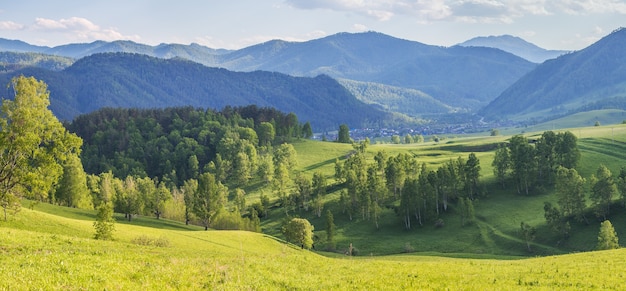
column 233, row 24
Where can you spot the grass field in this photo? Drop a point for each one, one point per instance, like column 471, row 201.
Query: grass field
column 499, row 212
column 50, row 248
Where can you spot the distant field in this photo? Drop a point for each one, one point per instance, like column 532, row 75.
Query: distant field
column 50, row 248
column 499, row 213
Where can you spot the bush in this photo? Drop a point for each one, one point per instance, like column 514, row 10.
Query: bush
column 144, row 240
column 408, row 248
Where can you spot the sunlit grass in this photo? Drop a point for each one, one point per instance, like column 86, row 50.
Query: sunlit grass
column 35, row 256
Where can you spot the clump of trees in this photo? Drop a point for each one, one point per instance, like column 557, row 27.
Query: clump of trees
column 534, row 164
column 34, row 145
column 423, row 194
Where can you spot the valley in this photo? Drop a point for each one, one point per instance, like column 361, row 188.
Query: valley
column 414, row 166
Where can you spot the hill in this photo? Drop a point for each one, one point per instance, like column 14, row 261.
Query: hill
column 516, row 46
column 593, row 78
column 396, row 99
column 460, row 77
column 11, row 61
column 132, row 80
column 58, row 240
column 457, row 76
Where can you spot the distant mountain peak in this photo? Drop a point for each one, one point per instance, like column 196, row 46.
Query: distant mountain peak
column 515, row 45
column 591, row 78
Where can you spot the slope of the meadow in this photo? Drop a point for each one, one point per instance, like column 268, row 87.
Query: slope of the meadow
column 51, row 247
column 499, row 211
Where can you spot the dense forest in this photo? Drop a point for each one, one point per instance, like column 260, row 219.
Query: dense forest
column 138, row 81
column 176, row 144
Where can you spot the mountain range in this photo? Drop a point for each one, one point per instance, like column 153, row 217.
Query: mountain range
column 460, row 77
column 134, row 80
column 516, row 46
column 373, row 72
column 589, row 79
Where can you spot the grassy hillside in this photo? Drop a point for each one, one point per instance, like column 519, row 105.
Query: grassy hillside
column 499, row 212
column 49, row 247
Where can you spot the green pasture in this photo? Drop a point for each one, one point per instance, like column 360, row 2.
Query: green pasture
column 50, row 248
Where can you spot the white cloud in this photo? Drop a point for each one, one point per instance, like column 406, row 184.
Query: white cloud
column 359, row 27
column 80, row 29
column 10, row 25
column 469, row 11
column 584, row 7
column 425, row 10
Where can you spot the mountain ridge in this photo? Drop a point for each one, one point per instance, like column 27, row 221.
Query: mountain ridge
column 516, row 46
column 134, row 80
column 567, row 83
column 366, row 57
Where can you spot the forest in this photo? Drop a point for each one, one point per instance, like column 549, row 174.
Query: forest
column 201, row 166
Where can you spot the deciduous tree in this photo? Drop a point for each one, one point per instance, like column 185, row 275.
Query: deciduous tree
column 299, row 231
column 602, row 191
column 607, row 237
column 570, row 192
column 33, row 143
column 344, row 134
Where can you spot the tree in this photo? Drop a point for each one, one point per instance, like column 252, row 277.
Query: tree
column 210, row 198
column 189, row 191
column 545, row 151
column 307, row 131
column 607, row 237
column 344, row 134
column 281, row 183
column 105, row 223
column 523, row 163
column 501, row 164
column 319, row 184
column 472, row 173
column 33, row 143
column 621, row 185
column 330, row 230
column 240, row 199
column 128, row 197
column 602, row 191
column 528, row 234
column 555, row 219
column 567, row 152
column 72, row 188
column 285, row 154
column 570, row 192
column 266, row 168
column 266, row 133
column 299, row 231
column 304, row 188
column 241, row 169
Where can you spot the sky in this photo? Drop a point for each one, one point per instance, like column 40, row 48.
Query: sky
column 234, row 24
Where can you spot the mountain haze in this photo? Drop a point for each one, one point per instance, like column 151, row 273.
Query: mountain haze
column 593, row 78
column 133, row 80
column 457, row 76
column 460, row 77
column 516, row 46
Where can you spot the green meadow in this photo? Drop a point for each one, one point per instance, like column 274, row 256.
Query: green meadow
column 47, row 247
column 50, row 248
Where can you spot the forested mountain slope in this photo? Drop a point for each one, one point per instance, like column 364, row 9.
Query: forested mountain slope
column 457, row 76
column 132, row 80
column 594, row 78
